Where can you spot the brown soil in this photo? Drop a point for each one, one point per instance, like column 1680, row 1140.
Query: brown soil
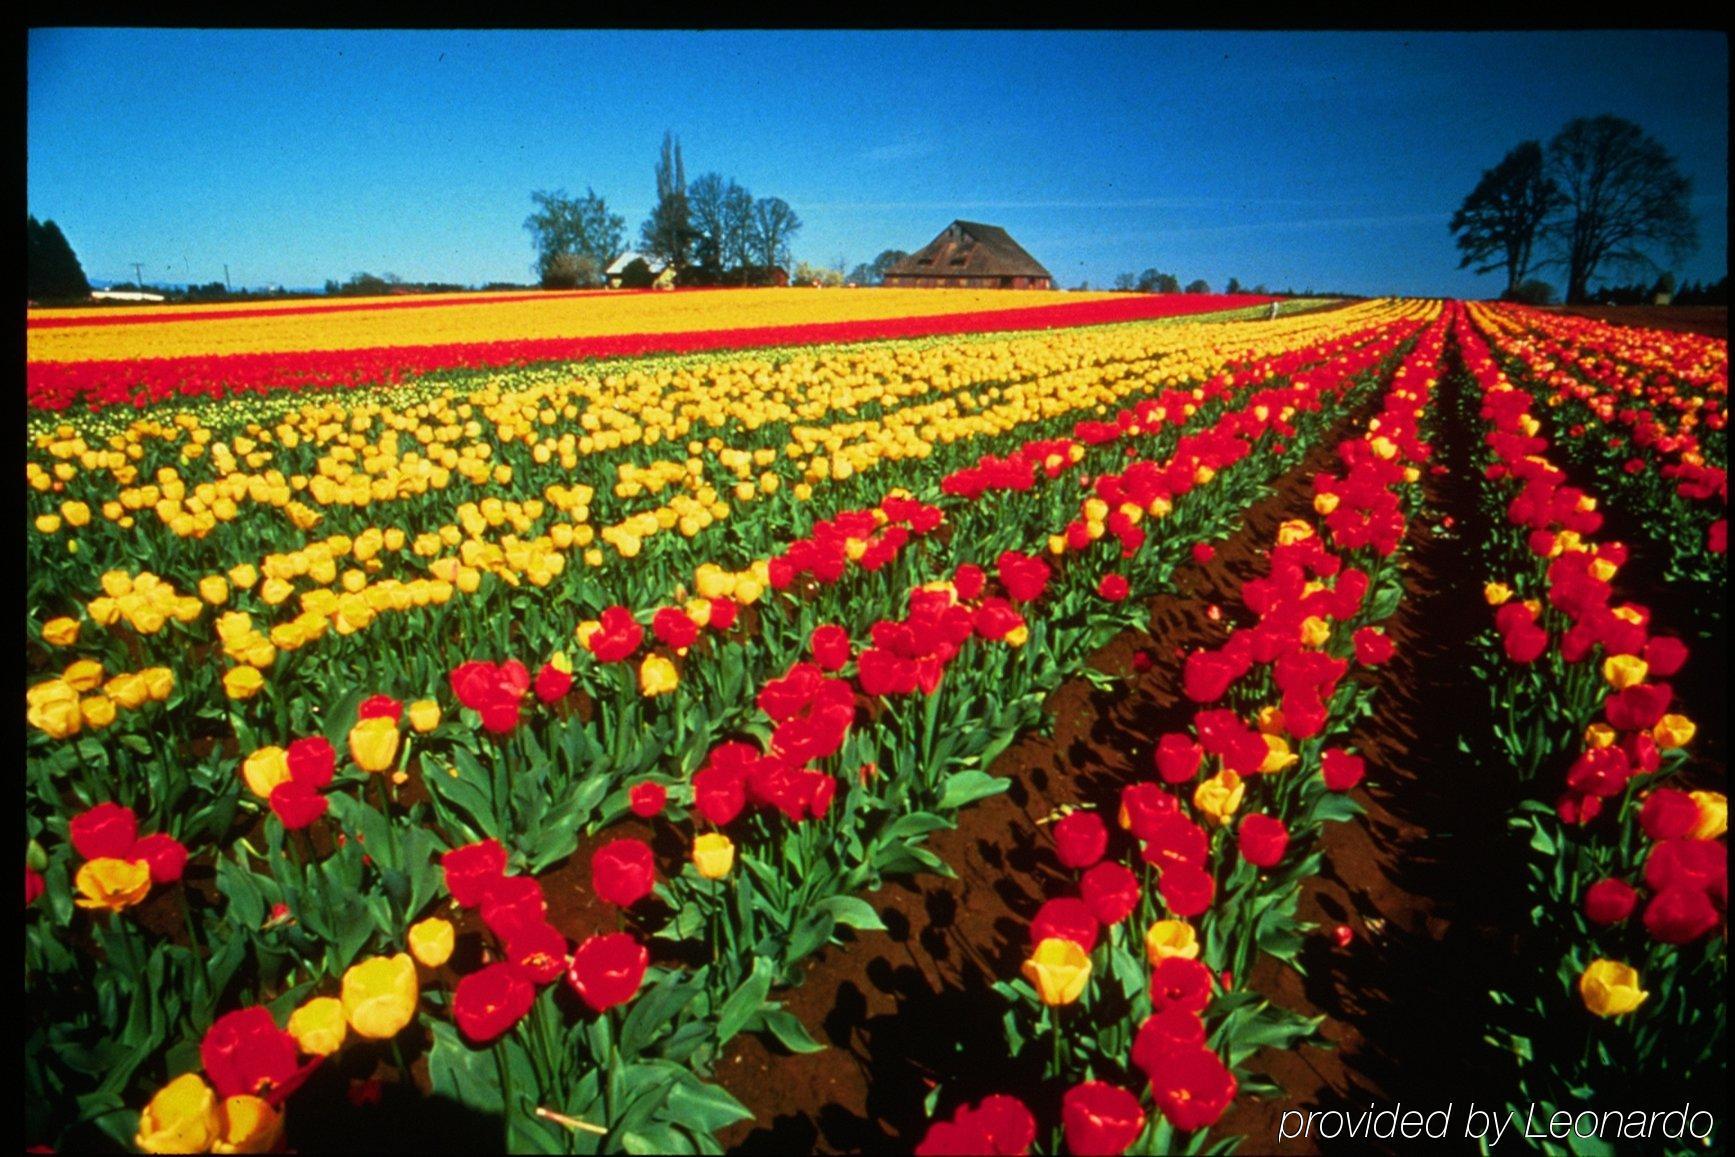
column 1709, row 320
column 912, row 1008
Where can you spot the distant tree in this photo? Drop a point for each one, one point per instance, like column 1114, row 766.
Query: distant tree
column 883, row 263
column 737, row 219
column 774, row 225
column 1623, row 195
column 668, row 233
column 1199, row 285
column 51, row 268
column 1082, row 287
column 1261, row 290
column 1234, row 286
column 1663, row 292
column 1154, row 281
column 1700, row 294
column 570, row 271
column 705, row 217
column 1530, row 292
column 1501, row 218
column 825, row 275
column 1126, row 281
column 576, row 237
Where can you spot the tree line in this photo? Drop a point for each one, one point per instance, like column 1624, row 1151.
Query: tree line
column 1156, row 281
column 1602, row 195
column 710, row 231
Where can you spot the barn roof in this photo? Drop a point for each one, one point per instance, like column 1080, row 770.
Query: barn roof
column 970, row 249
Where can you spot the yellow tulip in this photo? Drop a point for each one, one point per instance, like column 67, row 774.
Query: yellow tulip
column 60, row 632
column 1623, row 671
column 1713, row 815
column 431, row 941
column 424, row 715
column 379, row 995
column 128, row 689
column 1058, row 970
column 243, row 682
column 1610, row 988
column 97, row 711
column 319, row 1026
column 657, row 676
column 1278, row 757
column 1218, row 798
column 249, row 1125
column 713, row 855
column 106, row 882
column 264, row 770
column 1314, row 631
column 181, row 1118
column 59, row 718
column 1496, row 594
column 1674, row 731
column 1599, row 735
column 1168, row 938
column 214, row 589
column 84, row 675
column 160, row 680
column 373, row 743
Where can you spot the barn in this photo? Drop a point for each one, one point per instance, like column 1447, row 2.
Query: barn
column 970, row 255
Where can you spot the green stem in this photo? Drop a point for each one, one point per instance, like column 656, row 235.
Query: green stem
column 505, row 1092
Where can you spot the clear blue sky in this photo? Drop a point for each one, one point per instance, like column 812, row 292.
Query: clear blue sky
column 1319, row 159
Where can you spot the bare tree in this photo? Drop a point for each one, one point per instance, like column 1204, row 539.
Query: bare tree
column 737, row 221
column 1501, row 218
column 774, row 224
column 1622, row 195
column 705, row 216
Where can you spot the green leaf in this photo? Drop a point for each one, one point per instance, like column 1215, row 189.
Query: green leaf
column 696, row 1103
column 744, row 1001
column 463, row 1074
column 789, row 1031
column 966, row 787
column 853, row 912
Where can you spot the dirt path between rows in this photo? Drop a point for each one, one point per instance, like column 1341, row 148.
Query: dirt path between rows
column 904, row 1010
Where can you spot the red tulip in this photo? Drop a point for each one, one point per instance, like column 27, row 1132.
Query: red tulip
column 647, row 799
column 552, row 683
column 1262, row 840
column 623, row 872
column 107, row 830
column 1178, row 758
column 1100, row 1119
column 1609, row 901
column 471, row 869
column 489, row 1002
column 606, row 970
column 245, row 1053
column 312, row 761
column 1192, row 1087
column 1111, row 891
column 1080, row 839
column 1065, row 918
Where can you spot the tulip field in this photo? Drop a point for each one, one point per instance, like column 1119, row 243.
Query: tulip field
column 881, row 720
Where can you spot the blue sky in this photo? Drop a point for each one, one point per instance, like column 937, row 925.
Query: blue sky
column 1331, row 160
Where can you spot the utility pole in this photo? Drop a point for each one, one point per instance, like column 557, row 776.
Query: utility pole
column 227, row 288
column 139, row 275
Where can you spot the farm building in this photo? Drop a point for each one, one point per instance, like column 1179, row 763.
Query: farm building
column 968, row 255
column 631, row 270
